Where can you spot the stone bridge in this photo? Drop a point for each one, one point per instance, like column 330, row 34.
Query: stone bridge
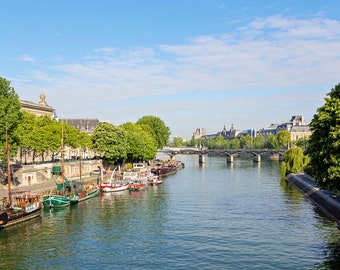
column 229, row 153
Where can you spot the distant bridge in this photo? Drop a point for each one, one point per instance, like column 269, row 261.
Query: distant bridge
column 229, row 153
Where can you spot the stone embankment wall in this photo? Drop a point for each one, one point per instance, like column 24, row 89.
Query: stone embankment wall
column 328, row 202
column 40, row 177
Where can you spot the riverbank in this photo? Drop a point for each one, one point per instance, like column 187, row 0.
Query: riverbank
column 39, row 188
column 328, row 202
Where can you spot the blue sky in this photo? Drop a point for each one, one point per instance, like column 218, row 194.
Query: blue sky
column 193, row 63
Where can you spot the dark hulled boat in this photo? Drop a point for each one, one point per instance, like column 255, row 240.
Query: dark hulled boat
column 24, row 207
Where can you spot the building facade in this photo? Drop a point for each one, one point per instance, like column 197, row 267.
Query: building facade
column 85, row 125
column 297, row 128
column 39, row 109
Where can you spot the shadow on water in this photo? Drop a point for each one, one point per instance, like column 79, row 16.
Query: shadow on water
column 330, row 252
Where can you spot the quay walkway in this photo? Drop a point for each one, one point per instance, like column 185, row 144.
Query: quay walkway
column 38, row 188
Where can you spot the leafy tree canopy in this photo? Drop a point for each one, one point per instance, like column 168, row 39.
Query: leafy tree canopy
column 283, row 138
column 324, row 143
column 141, row 144
column 294, row 161
column 178, row 141
column 271, row 142
column 46, row 135
column 10, row 113
column 39, row 134
column 158, row 129
column 111, row 142
column 246, row 141
column 259, row 142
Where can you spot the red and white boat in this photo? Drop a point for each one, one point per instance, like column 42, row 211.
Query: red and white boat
column 138, row 177
column 114, row 185
column 138, row 185
column 154, row 180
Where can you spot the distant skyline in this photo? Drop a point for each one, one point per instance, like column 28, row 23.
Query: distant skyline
column 193, row 63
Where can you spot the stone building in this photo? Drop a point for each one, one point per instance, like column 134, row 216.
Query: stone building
column 229, row 134
column 268, row 130
column 39, row 109
column 199, row 133
column 297, row 128
column 226, row 134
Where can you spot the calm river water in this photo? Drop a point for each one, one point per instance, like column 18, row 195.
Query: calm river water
column 215, row 216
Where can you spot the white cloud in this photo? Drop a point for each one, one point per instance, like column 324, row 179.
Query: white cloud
column 267, row 54
column 26, row 58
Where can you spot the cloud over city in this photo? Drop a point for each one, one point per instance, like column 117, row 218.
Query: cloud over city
column 255, row 65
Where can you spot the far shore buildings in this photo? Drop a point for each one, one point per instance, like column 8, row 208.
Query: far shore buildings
column 296, row 126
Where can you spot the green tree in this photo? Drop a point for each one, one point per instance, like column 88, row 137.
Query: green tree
column 294, row 161
column 37, row 135
column 10, row 113
column 75, row 138
column 283, row 138
column 24, row 133
column 235, row 144
column 84, row 141
column 110, row 142
column 200, row 142
column 259, row 142
column 158, row 129
column 220, row 142
column 324, row 143
column 271, row 142
column 178, row 141
column 302, row 142
column 45, row 136
column 246, row 141
column 141, row 144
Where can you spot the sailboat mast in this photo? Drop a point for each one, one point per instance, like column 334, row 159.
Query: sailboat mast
column 9, row 199
column 62, row 154
column 80, row 165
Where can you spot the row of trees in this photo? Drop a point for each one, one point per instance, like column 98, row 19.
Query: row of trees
column 130, row 142
column 42, row 135
column 279, row 141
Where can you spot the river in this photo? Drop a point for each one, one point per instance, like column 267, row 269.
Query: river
column 211, row 216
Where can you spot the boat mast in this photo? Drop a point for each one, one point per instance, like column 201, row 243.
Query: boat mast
column 80, row 172
column 62, row 154
column 9, row 199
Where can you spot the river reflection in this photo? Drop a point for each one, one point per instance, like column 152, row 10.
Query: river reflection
column 329, row 232
column 210, row 216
